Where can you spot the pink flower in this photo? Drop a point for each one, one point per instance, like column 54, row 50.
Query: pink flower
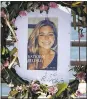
column 6, row 64
column 3, row 13
column 78, row 93
column 43, row 7
column 35, row 87
column 81, row 35
column 80, row 75
column 13, row 21
column 22, row 13
column 52, row 90
column 53, row 5
column 11, row 85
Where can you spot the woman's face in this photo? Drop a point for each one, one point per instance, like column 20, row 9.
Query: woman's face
column 46, row 37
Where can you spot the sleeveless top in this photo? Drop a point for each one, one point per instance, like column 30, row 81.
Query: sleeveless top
column 52, row 65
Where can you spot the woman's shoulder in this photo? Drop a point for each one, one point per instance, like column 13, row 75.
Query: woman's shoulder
column 31, row 66
column 54, row 52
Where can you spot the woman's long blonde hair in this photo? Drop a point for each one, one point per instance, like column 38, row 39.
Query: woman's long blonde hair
column 33, row 46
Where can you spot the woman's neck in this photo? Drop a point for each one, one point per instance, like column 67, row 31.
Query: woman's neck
column 47, row 56
column 43, row 51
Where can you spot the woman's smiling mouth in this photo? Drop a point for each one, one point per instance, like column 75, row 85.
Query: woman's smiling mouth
column 46, row 43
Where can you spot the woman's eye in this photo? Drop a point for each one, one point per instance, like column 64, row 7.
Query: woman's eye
column 51, row 35
column 41, row 35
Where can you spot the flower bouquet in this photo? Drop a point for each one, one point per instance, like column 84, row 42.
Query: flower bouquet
column 35, row 90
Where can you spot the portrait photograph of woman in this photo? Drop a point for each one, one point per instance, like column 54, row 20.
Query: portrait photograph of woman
column 42, row 44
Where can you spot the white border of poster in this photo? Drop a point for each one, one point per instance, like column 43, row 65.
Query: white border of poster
column 64, row 29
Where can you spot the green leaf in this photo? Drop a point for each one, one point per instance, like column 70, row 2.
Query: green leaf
column 74, row 19
column 3, row 51
column 13, row 51
column 19, row 96
column 61, row 88
column 75, row 4
column 79, row 10
column 44, row 88
column 10, row 97
column 13, row 93
column 73, row 85
column 73, row 96
column 71, row 69
column 11, row 74
column 26, row 95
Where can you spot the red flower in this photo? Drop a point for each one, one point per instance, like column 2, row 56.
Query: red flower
column 43, row 8
column 22, row 13
column 80, row 75
column 53, row 5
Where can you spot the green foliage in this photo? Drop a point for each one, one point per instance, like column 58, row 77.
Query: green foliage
column 44, row 88
column 78, row 69
column 5, row 55
column 73, row 86
column 16, row 6
column 61, row 88
column 13, row 51
column 9, row 75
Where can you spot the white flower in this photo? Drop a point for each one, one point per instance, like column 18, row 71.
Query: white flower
column 19, row 88
column 11, row 85
column 73, row 96
column 43, row 95
column 52, row 90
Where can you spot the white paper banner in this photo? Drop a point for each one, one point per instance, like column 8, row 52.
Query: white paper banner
column 63, row 59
